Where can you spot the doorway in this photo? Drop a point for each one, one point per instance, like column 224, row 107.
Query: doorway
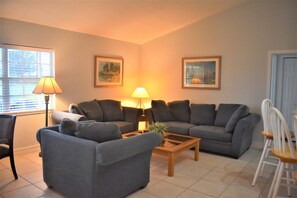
column 283, row 83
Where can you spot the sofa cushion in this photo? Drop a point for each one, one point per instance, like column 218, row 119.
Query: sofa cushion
column 92, row 110
column 112, row 110
column 73, row 108
column 68, row 126
column 98, row 131
column 211, row 133
column 178, row 127
column 203, row 114
column 224, row 113
column 241, row 112
column 180, row 110
column 161, row 111
column 125, row 127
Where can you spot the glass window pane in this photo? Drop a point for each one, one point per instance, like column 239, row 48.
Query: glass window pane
column 30, row 56
column 15, row 69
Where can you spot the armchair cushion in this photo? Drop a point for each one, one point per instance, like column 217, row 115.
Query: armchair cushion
column 92, row 110
column 224, row 113
column 241, row 112
column 99, row 132
column 69, row 127
column 203, row 114
column 180, row 110
column 161, row 111
column 112, row 110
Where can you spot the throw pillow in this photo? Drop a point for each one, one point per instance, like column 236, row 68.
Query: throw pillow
column 92, row 110
column 73, row 108
column 203, row 114
column 180, row 110
column 241, row 112
column 224, row 113
column 112, row 110
column 67, row 127
column 161, row 111
column 99, row 132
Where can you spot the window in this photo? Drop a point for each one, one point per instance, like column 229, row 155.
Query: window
column 20, row 70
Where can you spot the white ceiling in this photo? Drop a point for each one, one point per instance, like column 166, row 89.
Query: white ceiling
column 136, row 21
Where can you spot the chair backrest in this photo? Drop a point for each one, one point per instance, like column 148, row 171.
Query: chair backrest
column 265, row 110
column 281, row 134
column 294, row 123
column 7, row 124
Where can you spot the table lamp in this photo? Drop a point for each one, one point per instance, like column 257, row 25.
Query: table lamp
column 140, row 93
column 47, row 85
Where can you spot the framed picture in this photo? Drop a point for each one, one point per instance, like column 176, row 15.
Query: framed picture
column 201, row 72
column 108, row 71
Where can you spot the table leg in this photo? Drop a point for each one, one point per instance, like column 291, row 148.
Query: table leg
column 196, row 157
column 170, row 164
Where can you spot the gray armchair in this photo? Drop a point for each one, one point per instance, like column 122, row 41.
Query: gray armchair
column 78, row 167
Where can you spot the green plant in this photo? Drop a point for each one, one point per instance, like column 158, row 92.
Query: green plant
column 158, row 127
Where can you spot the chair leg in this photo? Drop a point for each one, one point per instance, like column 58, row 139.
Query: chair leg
column 278, row 179
column 260, row 164
column 288, row 175
column 273, row 181
column 13, row 166
column 268, row 149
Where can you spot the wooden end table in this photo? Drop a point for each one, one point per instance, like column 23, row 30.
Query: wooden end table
column 174, row 145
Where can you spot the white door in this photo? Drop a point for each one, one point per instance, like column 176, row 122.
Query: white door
column 283, row 87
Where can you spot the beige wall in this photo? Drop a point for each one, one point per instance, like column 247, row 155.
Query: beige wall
column 242, row 36
column 74, row 55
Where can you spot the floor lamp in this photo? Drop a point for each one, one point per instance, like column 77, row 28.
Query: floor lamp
column 47, row 85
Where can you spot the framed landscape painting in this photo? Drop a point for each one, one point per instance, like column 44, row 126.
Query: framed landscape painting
column 108, row 71
column 201, row 72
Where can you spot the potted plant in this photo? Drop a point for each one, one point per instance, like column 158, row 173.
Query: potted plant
column 160, row 128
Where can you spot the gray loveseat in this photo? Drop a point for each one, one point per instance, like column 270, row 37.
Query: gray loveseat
column 227, row 130
column 108, row 111
column 81, row 167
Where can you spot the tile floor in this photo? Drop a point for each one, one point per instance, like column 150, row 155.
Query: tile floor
column 211, row 176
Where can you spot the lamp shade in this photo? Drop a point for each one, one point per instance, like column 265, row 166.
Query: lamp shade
column 47, row 85
column 140, row 92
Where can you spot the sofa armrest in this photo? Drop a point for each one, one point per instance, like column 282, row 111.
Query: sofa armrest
column 150, row 115
column 58, row 116
column 54, row 128
column 132, row 115
column 117, row 150
column 243, row 133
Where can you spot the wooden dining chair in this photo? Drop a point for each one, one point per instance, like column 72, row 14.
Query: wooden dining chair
column 7, row 124
column 266, row 158
column 285, row 150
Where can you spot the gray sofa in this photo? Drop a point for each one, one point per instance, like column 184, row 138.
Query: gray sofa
column 81, row 167
column 227, row 130
column 108, row 111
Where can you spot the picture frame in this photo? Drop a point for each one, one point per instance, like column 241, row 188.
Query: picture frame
column 108, row 71
column 201, row 72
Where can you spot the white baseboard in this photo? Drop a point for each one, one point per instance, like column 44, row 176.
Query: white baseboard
column 27, row 149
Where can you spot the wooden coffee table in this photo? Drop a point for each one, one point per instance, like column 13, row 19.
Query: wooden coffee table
column 174, row 145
